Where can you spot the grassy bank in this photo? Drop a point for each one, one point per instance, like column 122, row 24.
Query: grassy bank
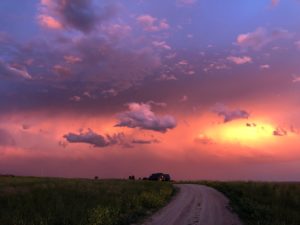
column 262, row 203
column 49, row 201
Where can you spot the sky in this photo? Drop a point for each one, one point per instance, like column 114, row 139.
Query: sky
column 200, row 89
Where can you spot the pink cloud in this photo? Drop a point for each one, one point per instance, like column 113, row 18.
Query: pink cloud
column 240, row 60
column 75, row 98
column 152, row 24
column 49, row 22
column 71, row 59
column 118, row 30
column 161, row 44
column 261, row 37
column 141, row 116
column 265, row 66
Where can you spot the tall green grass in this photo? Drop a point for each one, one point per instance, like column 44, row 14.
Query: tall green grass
column 48, row 201
column 263, row 203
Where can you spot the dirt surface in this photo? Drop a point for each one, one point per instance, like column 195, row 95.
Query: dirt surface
column 195, row 205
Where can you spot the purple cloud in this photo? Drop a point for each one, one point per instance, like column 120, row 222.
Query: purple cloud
column 229, row 114
column 92, row 138
column 141, row 116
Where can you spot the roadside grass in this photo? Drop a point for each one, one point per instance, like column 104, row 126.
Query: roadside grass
column 262, row 203
column 55, row 201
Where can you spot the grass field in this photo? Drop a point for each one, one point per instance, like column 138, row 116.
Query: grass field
column 262, row 203
column 49, row 201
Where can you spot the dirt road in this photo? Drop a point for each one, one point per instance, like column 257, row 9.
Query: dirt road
column 195, row 205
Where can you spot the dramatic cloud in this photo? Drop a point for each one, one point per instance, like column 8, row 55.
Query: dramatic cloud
column 261, row 37
column 229, row 114
column 141, row 116
column 81, row 15
column 94, row 139
column 240, row 60
column 152, row 24
column 12, row 72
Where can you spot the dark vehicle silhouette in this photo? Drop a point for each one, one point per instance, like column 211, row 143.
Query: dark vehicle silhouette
column 160, row 177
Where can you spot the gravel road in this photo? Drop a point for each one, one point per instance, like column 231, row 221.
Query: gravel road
column 195, row 205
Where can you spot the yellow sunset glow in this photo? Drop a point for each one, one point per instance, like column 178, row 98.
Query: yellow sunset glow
column 248, row 134
column 251, row 134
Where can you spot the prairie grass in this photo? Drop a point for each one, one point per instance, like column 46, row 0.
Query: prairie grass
column 54, row 201
column 263, row 203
